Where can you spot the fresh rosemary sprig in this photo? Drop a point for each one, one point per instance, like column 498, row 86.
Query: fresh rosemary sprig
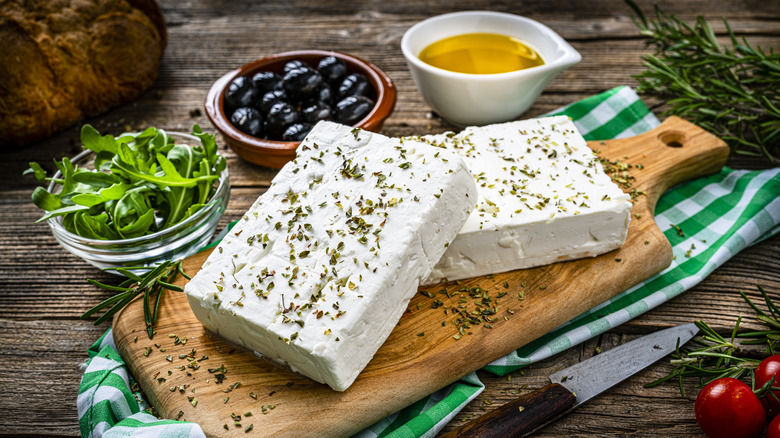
column 769, row 337
column 729, row 90
column 717, row 357
column 150, row 283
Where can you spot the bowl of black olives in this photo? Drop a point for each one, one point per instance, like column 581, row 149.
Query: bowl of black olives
column 265, row 108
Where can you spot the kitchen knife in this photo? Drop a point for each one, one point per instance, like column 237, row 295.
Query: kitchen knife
column 575, row 385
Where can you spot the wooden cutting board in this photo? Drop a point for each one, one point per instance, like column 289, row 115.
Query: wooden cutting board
column 421, row 355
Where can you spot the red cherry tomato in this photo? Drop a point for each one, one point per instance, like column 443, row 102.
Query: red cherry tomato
column 773, row 431
column 768, row 368
column 728, row 408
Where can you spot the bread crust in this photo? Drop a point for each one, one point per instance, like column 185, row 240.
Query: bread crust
column 63, row 61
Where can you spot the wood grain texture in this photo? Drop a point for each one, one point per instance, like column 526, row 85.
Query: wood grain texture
column 421, row 353
column 43, row 288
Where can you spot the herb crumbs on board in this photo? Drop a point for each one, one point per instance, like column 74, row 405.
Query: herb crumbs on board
column 475, row 306
column 217, row 375
column 619, row 173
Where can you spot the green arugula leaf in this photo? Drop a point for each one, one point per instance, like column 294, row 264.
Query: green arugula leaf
column 45, row 200
column 37, row 171
column 170, row 178
column 192, row 210
column 93, row 227
column 185, row 159
column 160, row 141
column 116, row 191
column 92, row 140
column 204, row 188
column 141, row 182
column 139, row 227
column 133, row 205
column 209, row 143
column 66, row 168
column 61, row 212
column 88, row 199
column 96, row 179
column 179, row 199
column 170, row 170
column 103, row 161
column 146, row 136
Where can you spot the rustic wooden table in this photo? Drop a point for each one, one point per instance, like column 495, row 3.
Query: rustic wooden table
column 43, row 289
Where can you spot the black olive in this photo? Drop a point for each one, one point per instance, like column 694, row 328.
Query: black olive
column 314, row 112
column 248, row 120
column 353, row 109
column 301, row 82
column 240, row 92
column 281, row 115
column 355, row 84
column 266, row 81
column 296, row 132
column 295, row 63
column 269, row 99
column 332, row 69
column 324, row 93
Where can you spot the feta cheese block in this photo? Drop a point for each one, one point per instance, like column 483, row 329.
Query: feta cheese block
column 543, row 197
column 320, row 269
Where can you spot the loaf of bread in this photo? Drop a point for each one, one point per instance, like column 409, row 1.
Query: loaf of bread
column 62, row 61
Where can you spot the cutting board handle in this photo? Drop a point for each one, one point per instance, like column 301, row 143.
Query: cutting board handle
column 673, row 152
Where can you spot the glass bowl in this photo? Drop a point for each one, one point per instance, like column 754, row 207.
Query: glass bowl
column 174, row 243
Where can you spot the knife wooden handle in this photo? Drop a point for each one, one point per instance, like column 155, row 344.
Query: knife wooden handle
column 520, row 416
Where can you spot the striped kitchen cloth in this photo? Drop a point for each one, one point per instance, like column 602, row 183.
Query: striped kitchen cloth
column 110, row 404
column 719, row 216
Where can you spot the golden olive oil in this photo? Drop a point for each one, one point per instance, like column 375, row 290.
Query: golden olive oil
column 480, row 53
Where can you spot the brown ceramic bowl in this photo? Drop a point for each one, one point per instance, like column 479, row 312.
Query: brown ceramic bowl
column 275, row 154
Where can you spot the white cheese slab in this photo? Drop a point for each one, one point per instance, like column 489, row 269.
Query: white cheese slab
column 543, row 198
column 320, row 269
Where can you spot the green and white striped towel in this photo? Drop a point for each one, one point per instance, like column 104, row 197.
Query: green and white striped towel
column 720, row 215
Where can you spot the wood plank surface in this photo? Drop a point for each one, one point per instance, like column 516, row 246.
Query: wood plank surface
column 43, row 288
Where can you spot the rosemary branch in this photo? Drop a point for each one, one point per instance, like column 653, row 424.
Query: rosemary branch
column 730, row 90
column 715, row 356
column 151, row 283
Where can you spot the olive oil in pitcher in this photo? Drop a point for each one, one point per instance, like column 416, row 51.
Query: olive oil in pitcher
column 480, row 53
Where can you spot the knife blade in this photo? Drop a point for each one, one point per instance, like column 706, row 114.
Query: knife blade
column 575, row 385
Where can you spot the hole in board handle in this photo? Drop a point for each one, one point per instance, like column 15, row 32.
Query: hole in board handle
column 672, row 139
